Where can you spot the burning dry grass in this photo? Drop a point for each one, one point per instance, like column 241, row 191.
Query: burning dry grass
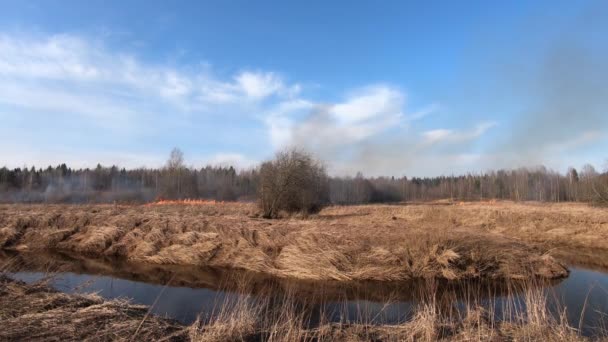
column 373, row 242
column 187, row 201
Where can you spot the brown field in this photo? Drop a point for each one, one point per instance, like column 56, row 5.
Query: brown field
column 372, row 242
column 492, row 240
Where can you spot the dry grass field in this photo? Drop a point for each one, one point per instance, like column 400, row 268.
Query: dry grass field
column 38, row 313
column 371, row 242
column 457, row 241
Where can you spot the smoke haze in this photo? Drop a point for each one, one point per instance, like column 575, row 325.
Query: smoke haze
column 561, row 120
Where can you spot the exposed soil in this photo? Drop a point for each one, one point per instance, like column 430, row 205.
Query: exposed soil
column 373, row 242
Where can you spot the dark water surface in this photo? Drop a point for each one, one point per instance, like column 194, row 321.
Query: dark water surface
column 185, row 293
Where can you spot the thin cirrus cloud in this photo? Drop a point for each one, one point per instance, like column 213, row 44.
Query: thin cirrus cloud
column 84, row 63
column 56, row 81
column 52, row 83
column 436, row 136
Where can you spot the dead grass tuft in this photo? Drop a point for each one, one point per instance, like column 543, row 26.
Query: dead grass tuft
column 35, row 312
column 372, row 242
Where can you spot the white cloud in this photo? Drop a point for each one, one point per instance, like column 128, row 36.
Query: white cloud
column 424, row 112
column 436, row 136
column 56, row 57
column 370, row 131
column 65, row 88
column 72, row 81
column 370, row 103
column 47, row 99
column 176, row 85
column 280, row 120
column 72, row 59
column 363, row 114
column 259, row 85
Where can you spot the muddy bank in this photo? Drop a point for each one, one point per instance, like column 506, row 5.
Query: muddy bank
column 384, row 243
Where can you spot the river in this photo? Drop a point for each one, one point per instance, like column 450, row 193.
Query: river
column 188, row 293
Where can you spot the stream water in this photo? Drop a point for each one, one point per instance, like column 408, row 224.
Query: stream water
column 184, row 293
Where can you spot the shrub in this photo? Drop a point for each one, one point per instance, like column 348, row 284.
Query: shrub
column 292, row 182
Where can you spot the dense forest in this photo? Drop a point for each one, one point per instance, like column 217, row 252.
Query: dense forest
column 62, row 184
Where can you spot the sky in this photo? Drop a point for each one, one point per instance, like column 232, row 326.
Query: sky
column 416, row 88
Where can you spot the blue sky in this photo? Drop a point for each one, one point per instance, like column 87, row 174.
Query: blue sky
column 392, row 87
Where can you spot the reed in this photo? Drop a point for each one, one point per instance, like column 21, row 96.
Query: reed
column 521, row 313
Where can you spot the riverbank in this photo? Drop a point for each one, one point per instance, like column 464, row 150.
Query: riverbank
column 36, row 312
column 374, row 242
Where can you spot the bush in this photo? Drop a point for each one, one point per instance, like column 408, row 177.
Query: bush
column 293, row 182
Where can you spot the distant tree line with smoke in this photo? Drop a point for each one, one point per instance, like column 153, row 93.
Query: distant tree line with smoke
column 523, row 184
column 62, row 184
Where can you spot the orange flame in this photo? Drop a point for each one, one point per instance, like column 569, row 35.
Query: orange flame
column 491, row 202
column 187, row 201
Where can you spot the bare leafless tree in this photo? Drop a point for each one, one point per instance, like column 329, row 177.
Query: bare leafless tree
column 292, row 182
column 176, row 159
column 172, row 180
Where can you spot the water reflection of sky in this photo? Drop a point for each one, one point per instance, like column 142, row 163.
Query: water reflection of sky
column 185, row 304
column 181, row 303
column 585, row 289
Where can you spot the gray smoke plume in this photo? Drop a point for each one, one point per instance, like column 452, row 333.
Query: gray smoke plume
column 564, row 95
column 560, row 92
column 570, row 106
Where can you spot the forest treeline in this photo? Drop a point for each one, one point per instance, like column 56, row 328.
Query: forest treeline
column 62, row 184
